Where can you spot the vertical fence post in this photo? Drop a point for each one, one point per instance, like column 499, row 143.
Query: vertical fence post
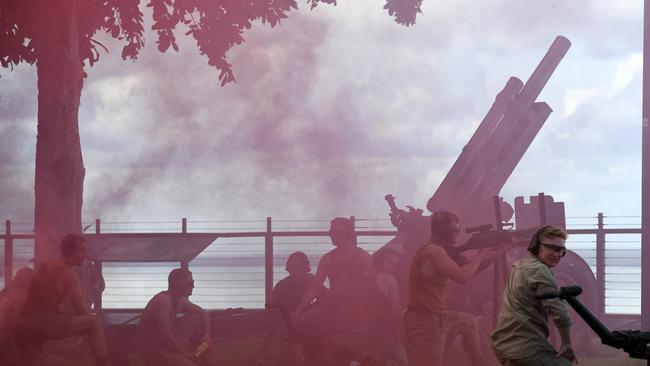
column 9, row 254
column 268, row 262
column 98, row 267
column 600, row 262
column 184, row 264
column 645, row 172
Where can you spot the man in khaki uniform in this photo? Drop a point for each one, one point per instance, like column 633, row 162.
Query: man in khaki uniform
column 520, row 338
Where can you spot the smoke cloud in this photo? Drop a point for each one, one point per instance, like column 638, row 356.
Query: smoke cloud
column 339, row 106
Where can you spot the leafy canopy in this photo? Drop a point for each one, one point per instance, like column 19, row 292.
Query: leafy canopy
column 215, row 25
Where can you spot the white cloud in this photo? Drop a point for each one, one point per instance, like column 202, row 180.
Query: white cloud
column 344, row 91
column 625, row 73
column 115, row 90
column 576, row 98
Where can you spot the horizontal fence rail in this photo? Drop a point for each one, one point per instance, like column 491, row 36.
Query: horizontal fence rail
column 240, row 268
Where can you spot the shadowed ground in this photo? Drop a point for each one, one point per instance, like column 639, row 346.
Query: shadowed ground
column 243, row 350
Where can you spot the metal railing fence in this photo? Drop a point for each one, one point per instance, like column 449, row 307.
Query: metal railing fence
column 241, row 267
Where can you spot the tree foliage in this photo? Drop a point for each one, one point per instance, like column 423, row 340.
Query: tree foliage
column 215, row 25
column 404, row 11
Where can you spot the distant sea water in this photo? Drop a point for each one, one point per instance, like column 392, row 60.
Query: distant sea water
column 238, row 281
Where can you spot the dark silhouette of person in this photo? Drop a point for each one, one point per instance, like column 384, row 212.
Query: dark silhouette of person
column 346, row 267
column 290, row 290
column 164, row 339
column 345, row 307
column 42, row 320
column 380, row 340
column 426, row 321
column 12, row 299
column 385, row 264
column 287, row 294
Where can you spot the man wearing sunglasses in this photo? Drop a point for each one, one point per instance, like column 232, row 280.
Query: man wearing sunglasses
column 520, row 337
column 165, row 340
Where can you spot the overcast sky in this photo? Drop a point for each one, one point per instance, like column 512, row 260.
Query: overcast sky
column 339, row 106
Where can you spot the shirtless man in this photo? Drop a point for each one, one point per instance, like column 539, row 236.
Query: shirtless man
column 344, row 308
column 346, row 266
column 165, row 340
column 41, row 320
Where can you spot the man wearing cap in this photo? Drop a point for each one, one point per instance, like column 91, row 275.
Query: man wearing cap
column 288, row 292
column 520, row 337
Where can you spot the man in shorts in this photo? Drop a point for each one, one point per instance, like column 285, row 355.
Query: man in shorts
column 164, row 339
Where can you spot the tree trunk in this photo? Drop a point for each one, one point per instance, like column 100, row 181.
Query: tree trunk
column 59, row 172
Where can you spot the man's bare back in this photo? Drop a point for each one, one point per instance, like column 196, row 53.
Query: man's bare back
column 52, row 282
column 41, row 319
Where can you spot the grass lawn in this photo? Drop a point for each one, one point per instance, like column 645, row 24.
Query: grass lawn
column 244, row 351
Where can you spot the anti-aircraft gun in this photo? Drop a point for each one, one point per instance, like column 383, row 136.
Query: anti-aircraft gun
column 471, row 187
column 498, row 144
column 489, row 157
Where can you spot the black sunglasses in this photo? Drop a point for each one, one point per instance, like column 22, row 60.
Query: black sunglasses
column 555, row 248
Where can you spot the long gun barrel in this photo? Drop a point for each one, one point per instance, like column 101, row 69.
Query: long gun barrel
column 519, row 125
column 498, row 144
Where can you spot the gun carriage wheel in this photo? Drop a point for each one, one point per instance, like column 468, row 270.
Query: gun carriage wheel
column 573, row 271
